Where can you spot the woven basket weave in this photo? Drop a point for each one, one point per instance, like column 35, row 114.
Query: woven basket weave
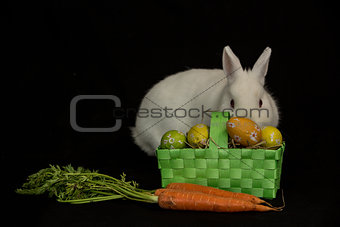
column 252, row 171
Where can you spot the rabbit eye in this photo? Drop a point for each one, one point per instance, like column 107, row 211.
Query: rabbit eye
column 232, row 103
column 260, row 103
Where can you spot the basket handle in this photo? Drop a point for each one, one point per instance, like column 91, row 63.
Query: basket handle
column 218, row 130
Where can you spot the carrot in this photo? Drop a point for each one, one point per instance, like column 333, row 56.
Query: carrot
column 215, row 191
column 198, row 201
column 159, row 191
column 78, row 186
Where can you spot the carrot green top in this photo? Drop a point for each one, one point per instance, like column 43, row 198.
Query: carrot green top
column 83, row 186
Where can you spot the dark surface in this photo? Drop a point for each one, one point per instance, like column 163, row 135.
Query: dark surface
column 63, row 49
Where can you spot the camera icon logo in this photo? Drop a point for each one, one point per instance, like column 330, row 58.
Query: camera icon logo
column 73, row 113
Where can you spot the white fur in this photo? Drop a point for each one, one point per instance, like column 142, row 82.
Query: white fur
column 212, row 88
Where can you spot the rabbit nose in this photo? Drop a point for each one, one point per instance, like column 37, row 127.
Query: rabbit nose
column 261, row 120
column 257, row 120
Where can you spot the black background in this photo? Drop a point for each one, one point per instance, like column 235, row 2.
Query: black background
column 61, row 49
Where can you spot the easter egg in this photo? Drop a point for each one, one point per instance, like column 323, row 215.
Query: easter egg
column 198, row 136
column 271, row 135
column 173, row 140
column 244, row 131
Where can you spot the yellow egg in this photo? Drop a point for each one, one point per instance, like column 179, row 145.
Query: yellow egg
column 244, row 131
column 198, row 136
column 272, row 136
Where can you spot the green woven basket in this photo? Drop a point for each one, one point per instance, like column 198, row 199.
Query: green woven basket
column 252, row 171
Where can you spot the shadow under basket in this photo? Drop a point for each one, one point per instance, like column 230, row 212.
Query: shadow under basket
column 252, row 171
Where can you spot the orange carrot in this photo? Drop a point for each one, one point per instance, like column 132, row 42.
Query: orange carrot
column 215, row 191
column 159, row 191
column 108, row 188
column 198, row 201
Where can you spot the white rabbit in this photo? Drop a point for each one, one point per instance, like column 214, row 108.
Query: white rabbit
column 182, row 100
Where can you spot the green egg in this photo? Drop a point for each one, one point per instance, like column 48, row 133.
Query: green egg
column 173, row 140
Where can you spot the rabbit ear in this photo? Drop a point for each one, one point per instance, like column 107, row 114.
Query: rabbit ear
column 261, row 65
column 230, row 62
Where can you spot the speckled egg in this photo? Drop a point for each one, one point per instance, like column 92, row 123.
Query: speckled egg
column 198, row 136
column 244, row 131
column 173, row 140
column 272, row 136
